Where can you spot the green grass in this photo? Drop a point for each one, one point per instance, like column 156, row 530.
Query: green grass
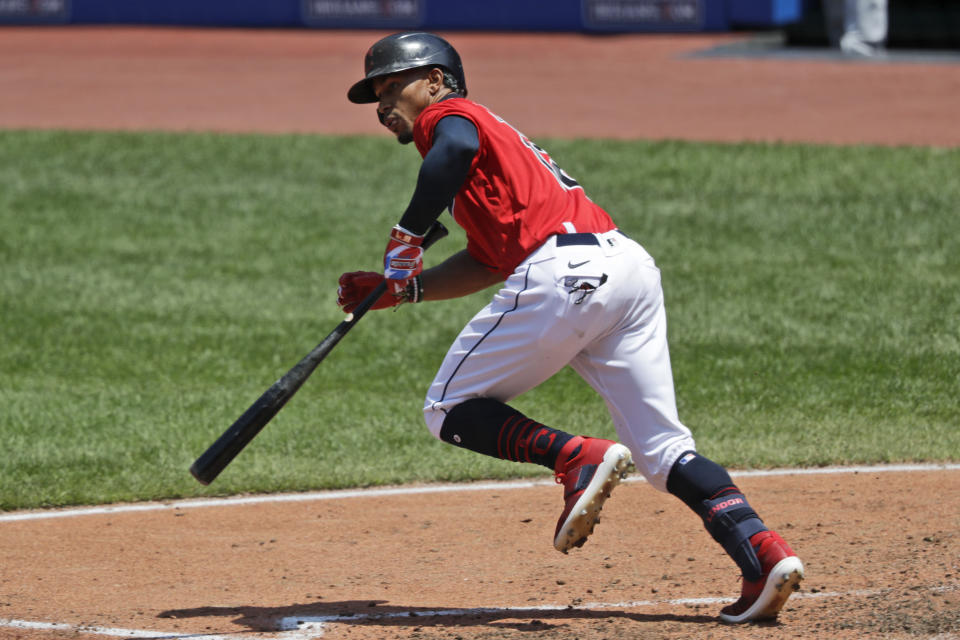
column 153, row 285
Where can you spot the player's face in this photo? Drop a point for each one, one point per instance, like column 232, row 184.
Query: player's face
column 402, row 96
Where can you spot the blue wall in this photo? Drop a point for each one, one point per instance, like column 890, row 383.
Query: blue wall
column 237, row 13
column 501, row 15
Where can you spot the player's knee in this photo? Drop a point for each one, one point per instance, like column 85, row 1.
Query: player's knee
column 434, row 415
column 655, row 462
column 472, row 424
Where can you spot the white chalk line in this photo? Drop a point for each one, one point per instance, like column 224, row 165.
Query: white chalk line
column 312, row 627
column 378, row 492
column 110, row 632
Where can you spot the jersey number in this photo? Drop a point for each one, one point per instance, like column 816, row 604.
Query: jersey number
column 565, row 180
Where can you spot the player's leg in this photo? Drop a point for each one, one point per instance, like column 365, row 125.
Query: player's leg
column 501, row 353
column 515, row 343
column 630, row 368
column 632, row 371
column 865, row 27
column 522, row 338
column 588, row 468
column 871, row 17
column 770, row 568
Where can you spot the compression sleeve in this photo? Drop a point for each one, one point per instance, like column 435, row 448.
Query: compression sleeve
column 444, row 169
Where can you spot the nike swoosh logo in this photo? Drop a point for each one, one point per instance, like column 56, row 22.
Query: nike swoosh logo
column 571, row 265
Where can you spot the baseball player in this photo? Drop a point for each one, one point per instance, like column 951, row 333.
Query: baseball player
column 573, row 289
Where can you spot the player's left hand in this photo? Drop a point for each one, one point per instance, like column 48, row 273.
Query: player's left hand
column 402, row 260
column 355, row 286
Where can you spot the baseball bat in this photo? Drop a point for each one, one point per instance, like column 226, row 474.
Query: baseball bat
column 209, row 465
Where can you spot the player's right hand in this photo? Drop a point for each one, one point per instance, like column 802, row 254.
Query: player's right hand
column 402, row 259
column 355, row 286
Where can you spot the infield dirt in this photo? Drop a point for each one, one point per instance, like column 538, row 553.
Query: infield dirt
column 882, row 555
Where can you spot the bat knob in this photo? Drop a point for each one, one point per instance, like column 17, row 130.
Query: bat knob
column 196, row 473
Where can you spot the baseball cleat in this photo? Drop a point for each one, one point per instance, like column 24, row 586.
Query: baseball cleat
column 763, row 598
column 588, row 478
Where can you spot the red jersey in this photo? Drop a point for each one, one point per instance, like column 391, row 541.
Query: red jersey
column 515, row 196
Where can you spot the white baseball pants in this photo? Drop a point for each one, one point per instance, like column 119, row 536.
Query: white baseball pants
column 595, row 302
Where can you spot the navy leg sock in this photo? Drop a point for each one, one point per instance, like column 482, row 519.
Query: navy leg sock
column 493, row 428
column 707, row 488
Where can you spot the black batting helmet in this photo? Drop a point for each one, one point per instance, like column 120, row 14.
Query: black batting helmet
column 404, row 51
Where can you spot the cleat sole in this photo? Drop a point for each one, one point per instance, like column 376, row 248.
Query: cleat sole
column 616, row 465
column 784, row 579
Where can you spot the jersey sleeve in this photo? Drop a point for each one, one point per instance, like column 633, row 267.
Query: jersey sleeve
column 442, row 174
column 423, row 136
column 425, row 126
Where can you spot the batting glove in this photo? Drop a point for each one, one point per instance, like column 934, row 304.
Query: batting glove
column 402, row 260
column 355, row 286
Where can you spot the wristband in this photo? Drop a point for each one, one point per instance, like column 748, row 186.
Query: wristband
column 414, row 289
column 409, row 238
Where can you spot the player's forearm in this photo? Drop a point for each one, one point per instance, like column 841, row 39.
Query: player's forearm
column 457, row 276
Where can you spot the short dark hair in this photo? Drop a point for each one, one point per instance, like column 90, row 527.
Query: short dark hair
column 450, row 80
